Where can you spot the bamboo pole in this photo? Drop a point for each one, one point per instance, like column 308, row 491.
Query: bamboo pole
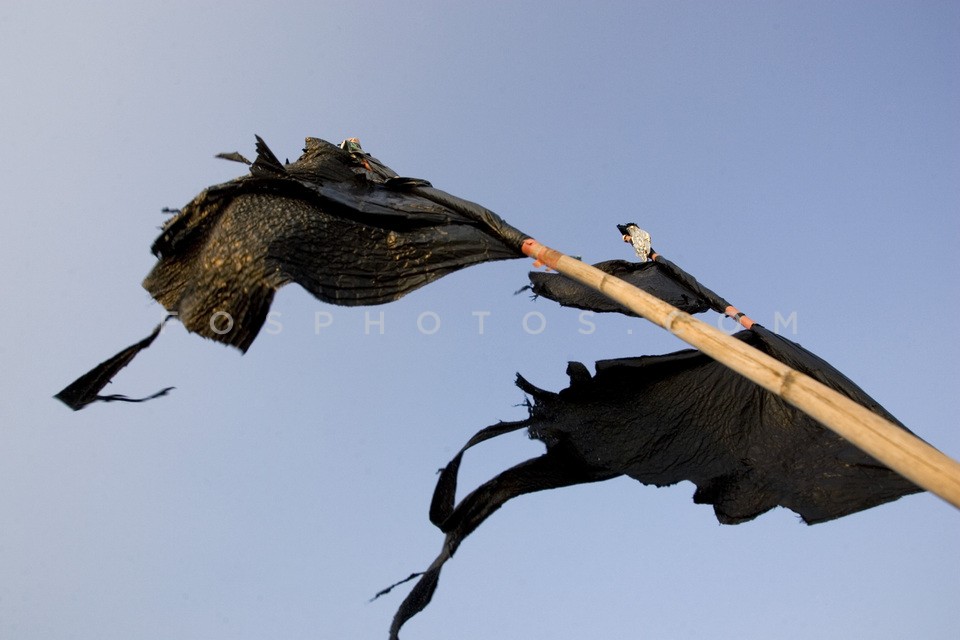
column 900, row 450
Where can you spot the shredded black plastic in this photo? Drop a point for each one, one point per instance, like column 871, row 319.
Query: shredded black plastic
column 659, row 277
column 674, row 417
column 87, row 387
column 352, row 232
column 655, row 278
column 337, row 221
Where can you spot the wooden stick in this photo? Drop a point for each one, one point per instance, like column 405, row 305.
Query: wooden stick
column 900, row 450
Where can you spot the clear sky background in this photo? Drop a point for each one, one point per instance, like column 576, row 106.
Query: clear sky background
column 800, row 158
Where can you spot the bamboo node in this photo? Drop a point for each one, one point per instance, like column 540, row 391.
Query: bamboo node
column 671, row 318
column 787, row 380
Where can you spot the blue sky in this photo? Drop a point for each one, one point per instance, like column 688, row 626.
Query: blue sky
column 801, row 159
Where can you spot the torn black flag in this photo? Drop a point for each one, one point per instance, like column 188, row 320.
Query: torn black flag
column 337, row 221
column 665, row 419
